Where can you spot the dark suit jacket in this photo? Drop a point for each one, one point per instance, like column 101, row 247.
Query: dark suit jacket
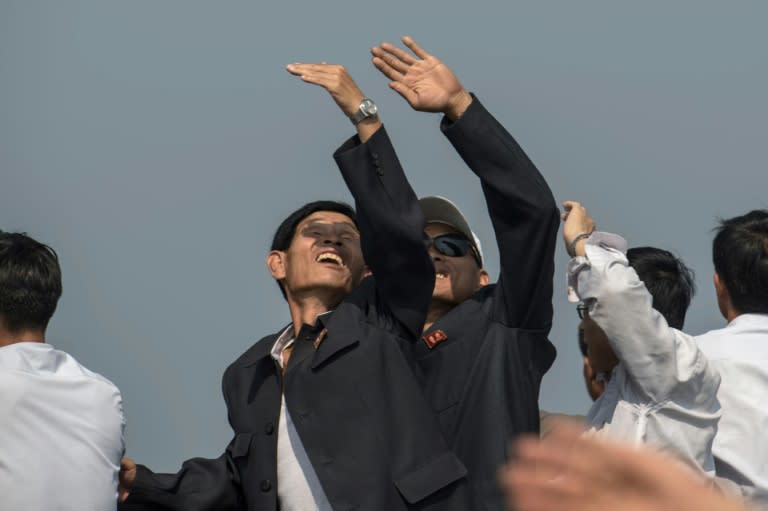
column 357, row 405
column 484, row 379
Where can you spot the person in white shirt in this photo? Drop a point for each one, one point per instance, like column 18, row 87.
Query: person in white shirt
column 661, row 389
column 61, row 425
column 740, row 352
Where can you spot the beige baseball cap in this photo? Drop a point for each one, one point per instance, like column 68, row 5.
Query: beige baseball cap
column 441, row 210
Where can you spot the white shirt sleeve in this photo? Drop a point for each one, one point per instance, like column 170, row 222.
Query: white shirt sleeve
column 662, row 362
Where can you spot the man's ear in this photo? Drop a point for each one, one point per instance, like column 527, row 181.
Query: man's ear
column 724, row 302
column 276, row 264
column 720, row 289
column 483, row 278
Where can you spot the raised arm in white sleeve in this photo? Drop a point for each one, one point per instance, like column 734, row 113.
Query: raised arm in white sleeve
column 662, row 362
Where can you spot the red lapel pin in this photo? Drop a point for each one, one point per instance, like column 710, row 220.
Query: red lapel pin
column 434, row 338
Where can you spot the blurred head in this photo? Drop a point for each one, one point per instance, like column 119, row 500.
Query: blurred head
column 455, row 252
column 30, row 284
column 671, row 286
column 740, row 255
column 317, row 250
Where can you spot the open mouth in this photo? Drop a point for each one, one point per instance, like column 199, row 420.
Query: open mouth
column 330, row 257
column 441, row 275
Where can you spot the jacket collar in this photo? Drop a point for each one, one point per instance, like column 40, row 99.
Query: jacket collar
column 263, row 348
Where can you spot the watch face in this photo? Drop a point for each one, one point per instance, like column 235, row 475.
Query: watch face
column 368, row 107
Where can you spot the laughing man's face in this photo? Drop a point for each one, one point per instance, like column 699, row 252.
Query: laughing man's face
column 324, row 255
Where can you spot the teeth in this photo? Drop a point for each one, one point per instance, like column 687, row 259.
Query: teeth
column 441, row 275
column 330, row 257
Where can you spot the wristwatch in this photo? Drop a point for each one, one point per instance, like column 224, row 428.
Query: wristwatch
column 367, row 110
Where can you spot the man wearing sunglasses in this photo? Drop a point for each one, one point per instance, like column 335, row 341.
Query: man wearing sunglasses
column 327, row 413
column 484, row 347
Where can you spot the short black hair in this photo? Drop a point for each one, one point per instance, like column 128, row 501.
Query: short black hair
column 669, row 281
column 287, row 228
column 740, row 254
column 30, row 283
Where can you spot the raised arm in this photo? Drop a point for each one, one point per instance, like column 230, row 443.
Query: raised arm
column 658, row 358
column 521, row 205
column 390, row 220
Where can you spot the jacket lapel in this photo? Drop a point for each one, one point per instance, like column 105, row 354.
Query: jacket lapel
column 343, row 332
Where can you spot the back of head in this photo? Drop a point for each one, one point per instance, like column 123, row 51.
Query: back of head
column 287, row 228
column 30, row 283
column 740, row 255
column 667, row 279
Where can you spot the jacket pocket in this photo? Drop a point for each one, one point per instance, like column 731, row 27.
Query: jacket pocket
column 427, row 479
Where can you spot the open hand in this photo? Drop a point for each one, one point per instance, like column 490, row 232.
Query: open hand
column 569, row 470
column 335, row 79
column 423, row 80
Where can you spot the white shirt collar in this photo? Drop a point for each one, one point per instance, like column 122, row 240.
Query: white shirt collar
column 748, row 318
column 286, row 338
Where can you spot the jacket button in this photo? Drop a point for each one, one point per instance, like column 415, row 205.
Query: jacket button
column 269, row 428
column 266, row 485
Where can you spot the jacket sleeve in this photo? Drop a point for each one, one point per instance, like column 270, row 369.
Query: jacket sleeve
column 662, row 362
column 391, row 227
column 523, row 212
column 200, row 485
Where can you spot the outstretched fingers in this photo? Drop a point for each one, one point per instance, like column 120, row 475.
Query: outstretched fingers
column 386, row 69
column 415, row 48
column 324, row 75
column 398, row 53
column 300, row 69
column 393, row 61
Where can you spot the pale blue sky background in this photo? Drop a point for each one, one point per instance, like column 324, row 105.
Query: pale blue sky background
column 157, row 144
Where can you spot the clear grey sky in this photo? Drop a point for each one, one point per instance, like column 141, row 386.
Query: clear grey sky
column 157, row 144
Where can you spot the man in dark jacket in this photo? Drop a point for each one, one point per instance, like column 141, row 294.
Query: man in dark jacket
column 484, row 348
column 328, row 413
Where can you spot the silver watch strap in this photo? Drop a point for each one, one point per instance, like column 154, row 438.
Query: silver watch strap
column 359, row 116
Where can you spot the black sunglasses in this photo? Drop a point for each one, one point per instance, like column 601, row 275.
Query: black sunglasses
column 454, row 245
column 582, row 310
